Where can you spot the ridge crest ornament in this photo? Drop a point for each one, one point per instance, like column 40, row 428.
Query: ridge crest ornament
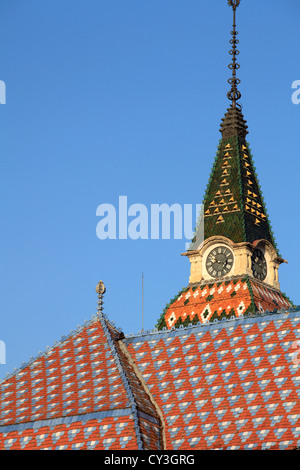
column 234, row 94
column 100, row 288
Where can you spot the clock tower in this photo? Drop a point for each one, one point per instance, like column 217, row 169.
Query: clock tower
column 239, row 254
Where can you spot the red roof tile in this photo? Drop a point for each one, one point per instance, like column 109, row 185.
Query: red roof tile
column 97, row 432
column 234, row 297
column 81, row 382
column 230, row 384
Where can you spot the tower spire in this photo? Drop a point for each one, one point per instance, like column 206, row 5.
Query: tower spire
column 234, row 94
column 233, row 124
column 233, row 205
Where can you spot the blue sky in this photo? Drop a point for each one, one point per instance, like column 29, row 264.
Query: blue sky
column 125, row 97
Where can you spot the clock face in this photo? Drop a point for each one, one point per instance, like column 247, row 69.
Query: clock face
column 259, row 265
column 219, row 261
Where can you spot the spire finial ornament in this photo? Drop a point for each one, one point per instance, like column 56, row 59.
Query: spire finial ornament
column 234, row 94
column 100, row 289
column 233, row 123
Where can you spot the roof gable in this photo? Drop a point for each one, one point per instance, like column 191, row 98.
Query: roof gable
column 78, row 375
column 86, row 380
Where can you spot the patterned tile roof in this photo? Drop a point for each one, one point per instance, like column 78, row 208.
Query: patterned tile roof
column 208, row 301
column 230, row 384
column 82, row 393
column 234, row 206
column 102, row 430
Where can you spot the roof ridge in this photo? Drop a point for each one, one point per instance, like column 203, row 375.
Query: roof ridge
column 229, row 319
column 262, row 198
column 233, row 278
column 48, row 349
column 250, row 291
column 241, row 189
column 110, row 341
column 150, row 396
column 73, row 332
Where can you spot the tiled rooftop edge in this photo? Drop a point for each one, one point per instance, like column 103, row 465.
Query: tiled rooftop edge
column 103, row 320
column 56, row 344
column 139, row 334
column 216, row 324
column 52, row 423
column 235, row 278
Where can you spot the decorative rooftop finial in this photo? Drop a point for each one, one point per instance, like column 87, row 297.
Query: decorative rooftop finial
column 233, row 123
column 234, row 95
column 100, row 289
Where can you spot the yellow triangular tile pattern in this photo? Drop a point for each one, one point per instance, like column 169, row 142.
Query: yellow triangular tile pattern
column 251, row 205
column 233, row 196
column 223, row 199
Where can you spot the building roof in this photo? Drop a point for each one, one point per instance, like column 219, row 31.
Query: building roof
column 234, row 124
column 219, row 372
column 208, row 301
column 233, row 204
column 81, row 393
column 230, row 384
column 227, row 384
